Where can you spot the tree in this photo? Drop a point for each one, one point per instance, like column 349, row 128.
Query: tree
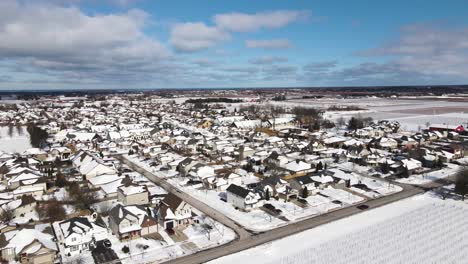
column 60, row 180
column 319, row 166
column 11, row 132
column 340, row 122
column 19, row 129
column 37, row 136
column 405, row 172
column 355, row 123
column 276, row 111
column 6, row 214
column 461, row 182
column 316, row 125
column 440, row 163
column 125, row 249
column 83, row 199
column 267, row 194
column 306, row 116
column 86, row 199
column 305, row 192
column 385, row 168
column 51, row 211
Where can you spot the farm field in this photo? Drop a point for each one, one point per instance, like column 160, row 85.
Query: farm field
column 415, row 230
column 413, row 114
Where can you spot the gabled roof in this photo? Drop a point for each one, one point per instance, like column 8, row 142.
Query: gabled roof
column 75, row 225
column 238, row 190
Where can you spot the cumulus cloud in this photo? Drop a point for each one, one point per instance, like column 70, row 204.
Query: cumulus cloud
column 428, row 49
column 242, row 22
column 268, row 44
column 268, row 60
column 63, row 41
column 190, row 37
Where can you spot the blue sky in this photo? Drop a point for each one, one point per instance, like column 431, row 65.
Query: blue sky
column 85, row 44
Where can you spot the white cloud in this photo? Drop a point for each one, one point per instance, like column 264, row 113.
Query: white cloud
column 269, row 44
column 268, row 60
column 428, row 50
column 57, row 40
column 241, row 22
column 190, row 37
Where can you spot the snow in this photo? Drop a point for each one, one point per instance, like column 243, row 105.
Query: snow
column 255, row 219
column 421, row 229
column 341, row 195
column 163, row 250
column 424, row 178
column 19, row 239
column 16, row 143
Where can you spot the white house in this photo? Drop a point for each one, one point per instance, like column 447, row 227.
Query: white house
column 77, row 234
column 173, row 212
column 240, row 197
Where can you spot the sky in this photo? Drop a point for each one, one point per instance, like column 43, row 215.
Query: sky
column 137, row 44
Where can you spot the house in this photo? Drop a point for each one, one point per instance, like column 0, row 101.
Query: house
column 173, row 212
column 90, row 165
column 132, row 221
column 78, row 234
column 299, row 183
column 447, row 128
column 240, row 197
column 133, row 194
column 28, row 246
column 62, row 153
column 297, row 167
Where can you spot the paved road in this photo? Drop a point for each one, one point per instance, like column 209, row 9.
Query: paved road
column 246, row 239
column 204, row 208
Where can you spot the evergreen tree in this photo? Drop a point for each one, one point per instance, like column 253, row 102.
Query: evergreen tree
column 267, row 194
column 305, row 192
column 319, row 166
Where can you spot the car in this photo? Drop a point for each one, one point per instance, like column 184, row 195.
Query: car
column 107, row 243
column 362, row 207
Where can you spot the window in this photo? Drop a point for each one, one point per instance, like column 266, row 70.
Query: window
column 74, row 248
column 73, row 239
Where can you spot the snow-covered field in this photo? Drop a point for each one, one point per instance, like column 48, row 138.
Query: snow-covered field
column 16, row 143
column 421, row 229
column 412, row 114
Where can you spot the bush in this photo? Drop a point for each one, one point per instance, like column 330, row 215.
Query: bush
column 126, row 249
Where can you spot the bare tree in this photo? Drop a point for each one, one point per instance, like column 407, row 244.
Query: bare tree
column 340, row 122
column 461, row 182
column 51, row 211
column 275, row 112
column 6, row 214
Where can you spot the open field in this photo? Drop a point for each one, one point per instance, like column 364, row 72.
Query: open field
column 413, row 114
column 415, row 230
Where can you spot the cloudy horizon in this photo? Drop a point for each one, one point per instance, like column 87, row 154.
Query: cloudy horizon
column 117, row 44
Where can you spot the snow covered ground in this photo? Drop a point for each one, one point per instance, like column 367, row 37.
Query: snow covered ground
column 256, row 220
column 16, row 143
column 421, row 229
column 147, row 250
column 424, row 178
